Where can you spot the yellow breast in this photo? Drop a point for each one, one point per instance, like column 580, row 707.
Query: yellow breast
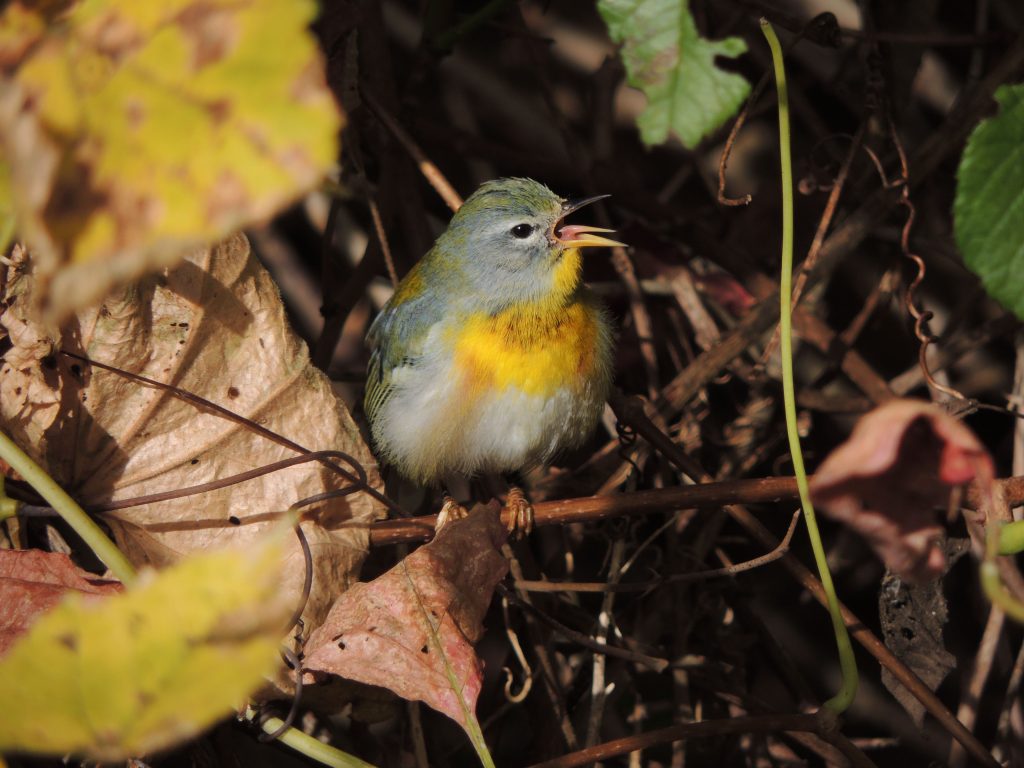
column 536, row 349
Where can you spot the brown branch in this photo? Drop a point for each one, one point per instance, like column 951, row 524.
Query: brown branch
column 813, row 329
column 706, row 729
column 593, row 508
column 632, row 415
column 765, row 490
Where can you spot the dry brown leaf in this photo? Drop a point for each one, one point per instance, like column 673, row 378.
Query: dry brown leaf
column 412, row 630
column 213, row 326
column 912, row 619
column 32, row 582
column 886, row 480
column 29, row 390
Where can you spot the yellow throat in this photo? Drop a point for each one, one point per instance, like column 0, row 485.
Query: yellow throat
column 537, row 347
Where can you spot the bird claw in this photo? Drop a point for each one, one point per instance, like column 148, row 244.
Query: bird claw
column 518, row 513
column 450, row 510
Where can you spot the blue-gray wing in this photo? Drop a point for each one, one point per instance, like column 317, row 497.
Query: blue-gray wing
column 396, row 339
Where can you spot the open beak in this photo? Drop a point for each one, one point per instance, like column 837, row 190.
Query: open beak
column 579, row 235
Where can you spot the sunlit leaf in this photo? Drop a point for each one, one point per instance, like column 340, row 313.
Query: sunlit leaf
column 156, row 665
column 137, row 130
column 215, row 327
column 688, row 95
column 988, row 209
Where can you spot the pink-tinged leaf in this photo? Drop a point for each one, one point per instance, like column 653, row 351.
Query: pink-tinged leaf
column 887, row 479
column 32, row 582
column 726, row 291
column 412, row 630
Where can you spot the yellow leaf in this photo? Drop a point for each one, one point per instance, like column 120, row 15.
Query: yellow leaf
column 136, row 131
column 149, row 668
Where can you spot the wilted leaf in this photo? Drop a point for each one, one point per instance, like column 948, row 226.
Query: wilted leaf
column 912, row 620
column 141, row 671
column 32, row 582
column 135, row 130
column 988, row 210
column 412, row 630
column 667, row 59
column 213, row 326
column 886, row 480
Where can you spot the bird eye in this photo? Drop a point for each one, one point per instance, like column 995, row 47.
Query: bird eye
column 522, row 231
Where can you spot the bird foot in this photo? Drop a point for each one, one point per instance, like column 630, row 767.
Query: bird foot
column 450, row 510
column 519, row 513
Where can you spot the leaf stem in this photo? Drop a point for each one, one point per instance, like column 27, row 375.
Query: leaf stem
column 471, row 724
column 848, row 663
column 8, row 506
column 67, row 508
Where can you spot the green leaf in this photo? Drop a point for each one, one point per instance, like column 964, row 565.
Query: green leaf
column 124, row 676
column 988, row 212
column 666, row 58
column 1011, row 538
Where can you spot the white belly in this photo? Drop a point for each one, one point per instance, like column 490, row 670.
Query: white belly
column 429, row 428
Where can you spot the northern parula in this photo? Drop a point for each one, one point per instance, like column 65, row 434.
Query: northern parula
column 491, row 356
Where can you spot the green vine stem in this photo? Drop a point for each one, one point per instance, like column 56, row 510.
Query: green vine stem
column 307, row 745
column 67, row 508
column 847, row 662
column 8, row 506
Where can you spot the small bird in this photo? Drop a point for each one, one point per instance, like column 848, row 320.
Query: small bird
column 492, row 356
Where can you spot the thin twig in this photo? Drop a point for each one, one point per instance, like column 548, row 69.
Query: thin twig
column 967, row 712
column 541, row 648
column 706, row 729
column 1010, row 720
column 416, row 735
column 645, row 586
column 598, row 690
column 517, row 651
column 858, row 630
column 430, row 171
column 224, row 482
column 723, row 161
column 382, row 238
column 201, row 403
column 824, row 222
column 658, row 665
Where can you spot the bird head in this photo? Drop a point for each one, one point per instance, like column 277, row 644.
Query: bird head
column 509, row 240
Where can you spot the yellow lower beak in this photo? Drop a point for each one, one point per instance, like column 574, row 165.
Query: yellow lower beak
column 581, row 236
